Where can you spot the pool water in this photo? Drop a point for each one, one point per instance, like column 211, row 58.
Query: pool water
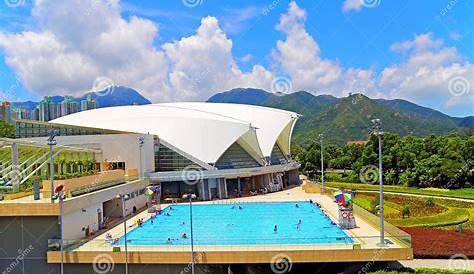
column 226, row 224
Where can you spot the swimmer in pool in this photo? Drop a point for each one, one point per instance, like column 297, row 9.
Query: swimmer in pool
column 297, row 205
column 298, row 225
column 169, row 241
column 184, row 236
column 275, row 229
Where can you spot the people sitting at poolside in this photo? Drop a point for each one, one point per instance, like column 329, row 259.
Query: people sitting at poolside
column 253, row 192
column 275, row 229
column 310, row 201
column 184, row 236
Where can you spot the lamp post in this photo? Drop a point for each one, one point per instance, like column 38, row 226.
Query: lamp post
column 59, row 191
column 191, row 197
column 141, row 141
column 377, row 129
column 51, row 142
column 321, row 136
column 123, row 198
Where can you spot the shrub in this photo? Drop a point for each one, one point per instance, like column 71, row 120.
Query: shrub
column 405, row 212
column 429, row 202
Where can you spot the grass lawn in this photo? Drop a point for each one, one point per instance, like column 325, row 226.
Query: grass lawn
column 442, row 213
column 452, row 217
column 465, row 193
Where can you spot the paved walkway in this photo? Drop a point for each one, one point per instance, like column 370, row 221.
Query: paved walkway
column 458, row 263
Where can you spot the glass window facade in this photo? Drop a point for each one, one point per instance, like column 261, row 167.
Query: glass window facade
column 236, row 157
column 277, row 157
column 167, row 159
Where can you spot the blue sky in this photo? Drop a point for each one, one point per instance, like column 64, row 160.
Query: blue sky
column 371, row 45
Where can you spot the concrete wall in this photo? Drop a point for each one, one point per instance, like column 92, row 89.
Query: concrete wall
column 115, row 148
column 75, row 222
column 24, row 243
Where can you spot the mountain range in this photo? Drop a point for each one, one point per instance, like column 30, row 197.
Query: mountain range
column 340, row 119
column 348, row 118
column 109, row 97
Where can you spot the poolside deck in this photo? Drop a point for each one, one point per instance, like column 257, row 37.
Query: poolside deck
column 364, row 248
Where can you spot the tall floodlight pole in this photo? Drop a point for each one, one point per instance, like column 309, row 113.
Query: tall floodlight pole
column 191, row 197
column 377, row 129
column 60, row 221
column 321, row 136
column 51, row 142
column 141, row 141
column 124, row 218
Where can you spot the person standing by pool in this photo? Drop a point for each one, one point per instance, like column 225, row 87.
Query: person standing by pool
column 275, row 229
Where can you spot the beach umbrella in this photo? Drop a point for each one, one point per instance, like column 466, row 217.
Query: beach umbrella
column 343, row 197
column 150, row 190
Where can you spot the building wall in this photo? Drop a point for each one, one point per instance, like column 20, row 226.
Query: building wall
column 115, row 148
column 26, row 237
column 75, row 222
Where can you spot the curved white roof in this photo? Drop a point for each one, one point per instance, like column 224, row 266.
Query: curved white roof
column 201, row 130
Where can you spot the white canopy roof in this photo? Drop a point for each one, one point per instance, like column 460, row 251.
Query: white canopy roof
column 201, row 130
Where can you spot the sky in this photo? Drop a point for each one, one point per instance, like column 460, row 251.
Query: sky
column 188, row 50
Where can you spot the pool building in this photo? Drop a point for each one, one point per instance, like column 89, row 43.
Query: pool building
column 235, row 158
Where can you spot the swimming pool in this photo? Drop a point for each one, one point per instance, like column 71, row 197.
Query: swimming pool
column 227, row 224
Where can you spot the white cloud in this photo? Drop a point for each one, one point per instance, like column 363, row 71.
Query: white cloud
column 82, row 40
column 299, row 56
column 74, row 46
column 349, row 5
column 429, row 74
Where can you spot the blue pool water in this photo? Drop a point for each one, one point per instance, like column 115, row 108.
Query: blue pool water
column 220, row 224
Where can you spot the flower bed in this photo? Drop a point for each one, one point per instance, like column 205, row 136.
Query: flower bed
column 436, row 243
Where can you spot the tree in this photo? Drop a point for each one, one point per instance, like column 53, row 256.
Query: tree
column 7, row 130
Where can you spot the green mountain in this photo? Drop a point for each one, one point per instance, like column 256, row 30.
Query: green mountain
column 348, row 118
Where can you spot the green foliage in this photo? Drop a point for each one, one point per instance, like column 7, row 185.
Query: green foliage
column 374, row 203
column 441, row 162
column 405, row 212
column 7, row 130
column 429, row 202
